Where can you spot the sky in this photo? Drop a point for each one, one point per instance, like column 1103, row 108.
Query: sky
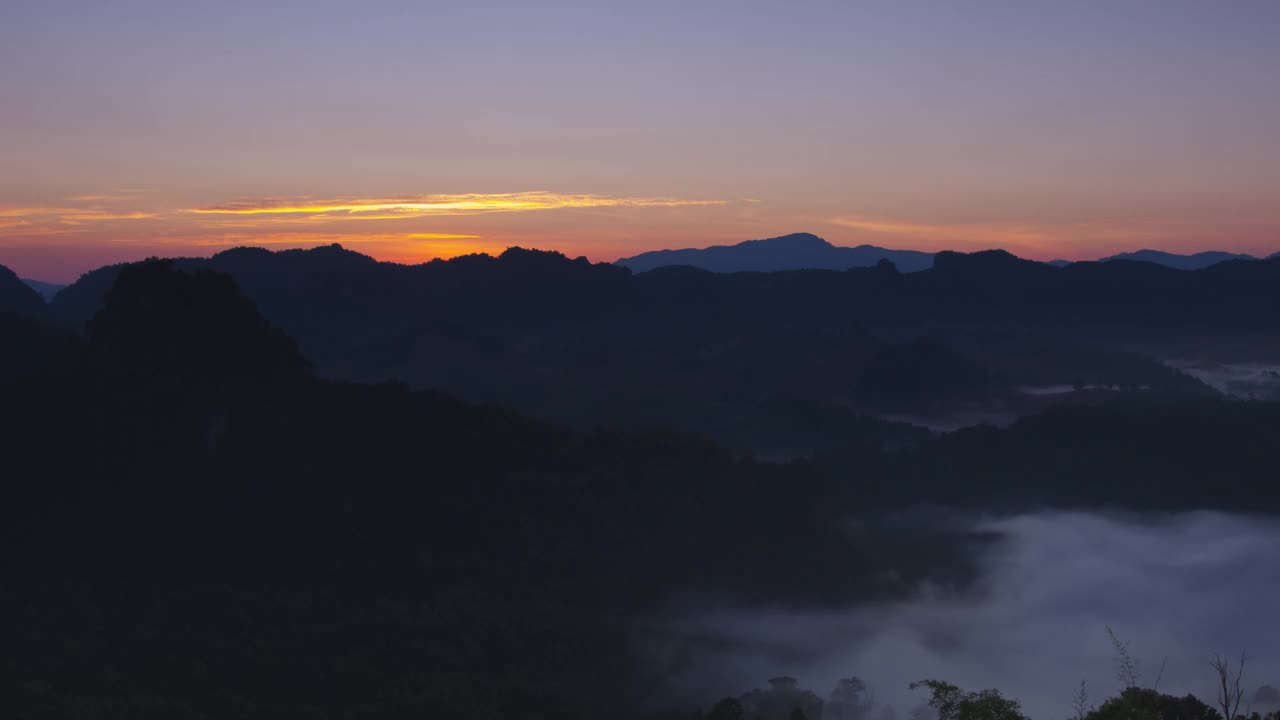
column 413, row 130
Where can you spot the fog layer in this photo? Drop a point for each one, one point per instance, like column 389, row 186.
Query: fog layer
column 1180, row 587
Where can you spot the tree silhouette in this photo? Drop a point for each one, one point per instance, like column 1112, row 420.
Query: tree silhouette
column 952, row 703
column 1146, row 704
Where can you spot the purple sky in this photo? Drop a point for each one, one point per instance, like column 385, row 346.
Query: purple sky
column 412, row 130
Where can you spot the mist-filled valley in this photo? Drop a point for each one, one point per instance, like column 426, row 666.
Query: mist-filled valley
column 665, row 360
column 290, row 485
column 1177, row 588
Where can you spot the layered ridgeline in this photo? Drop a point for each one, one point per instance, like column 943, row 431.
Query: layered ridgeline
column 193, row 524
column 46, row 290
column 774, row 362
column 1196, row 261
column 804, row 251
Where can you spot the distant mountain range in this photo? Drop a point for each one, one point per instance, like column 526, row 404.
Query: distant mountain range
column 1198, row 261
column 805, row 251
column 800, row 251
column 46, row 290
column 179, row 457
column 761, row 361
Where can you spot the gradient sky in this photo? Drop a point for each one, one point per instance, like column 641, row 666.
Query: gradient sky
column 411, row 130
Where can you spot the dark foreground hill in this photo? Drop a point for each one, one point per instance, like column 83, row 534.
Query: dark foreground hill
column 193, row 525
column 196, row 526
column 800, row 251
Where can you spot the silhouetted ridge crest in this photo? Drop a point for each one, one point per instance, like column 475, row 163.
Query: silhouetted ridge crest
column 798, row 251
column 949, row 261
column 534, row 259
column 795, row 241
column 331, row 257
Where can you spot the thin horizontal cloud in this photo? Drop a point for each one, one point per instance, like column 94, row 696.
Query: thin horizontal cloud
column 71, row 215
column 28, row 211
column 411, row 206
column 1000, row 234
column 112, row 197
column 80, row 216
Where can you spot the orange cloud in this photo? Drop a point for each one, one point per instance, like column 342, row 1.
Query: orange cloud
column 71, row 216
column 76, row 217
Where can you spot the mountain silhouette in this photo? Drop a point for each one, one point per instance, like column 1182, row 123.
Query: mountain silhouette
column 1197, row 261
column 782, row 361
column 800, row 251
column 316, row 544
column 17, row 297
column 270, row 543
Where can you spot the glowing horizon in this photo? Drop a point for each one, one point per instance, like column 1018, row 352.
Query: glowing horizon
column 608, row 131
column 125, row 228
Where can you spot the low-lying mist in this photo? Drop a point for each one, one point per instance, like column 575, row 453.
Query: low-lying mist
column 1177, row 588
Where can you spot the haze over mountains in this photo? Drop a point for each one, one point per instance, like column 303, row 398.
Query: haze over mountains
column 1195, row 261
column 781, row 362
column 805, row 251
column 46, row 289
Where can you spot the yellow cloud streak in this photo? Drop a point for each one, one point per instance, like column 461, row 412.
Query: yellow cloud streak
column 422, row 205
column 27, row 212
column 73, row 215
